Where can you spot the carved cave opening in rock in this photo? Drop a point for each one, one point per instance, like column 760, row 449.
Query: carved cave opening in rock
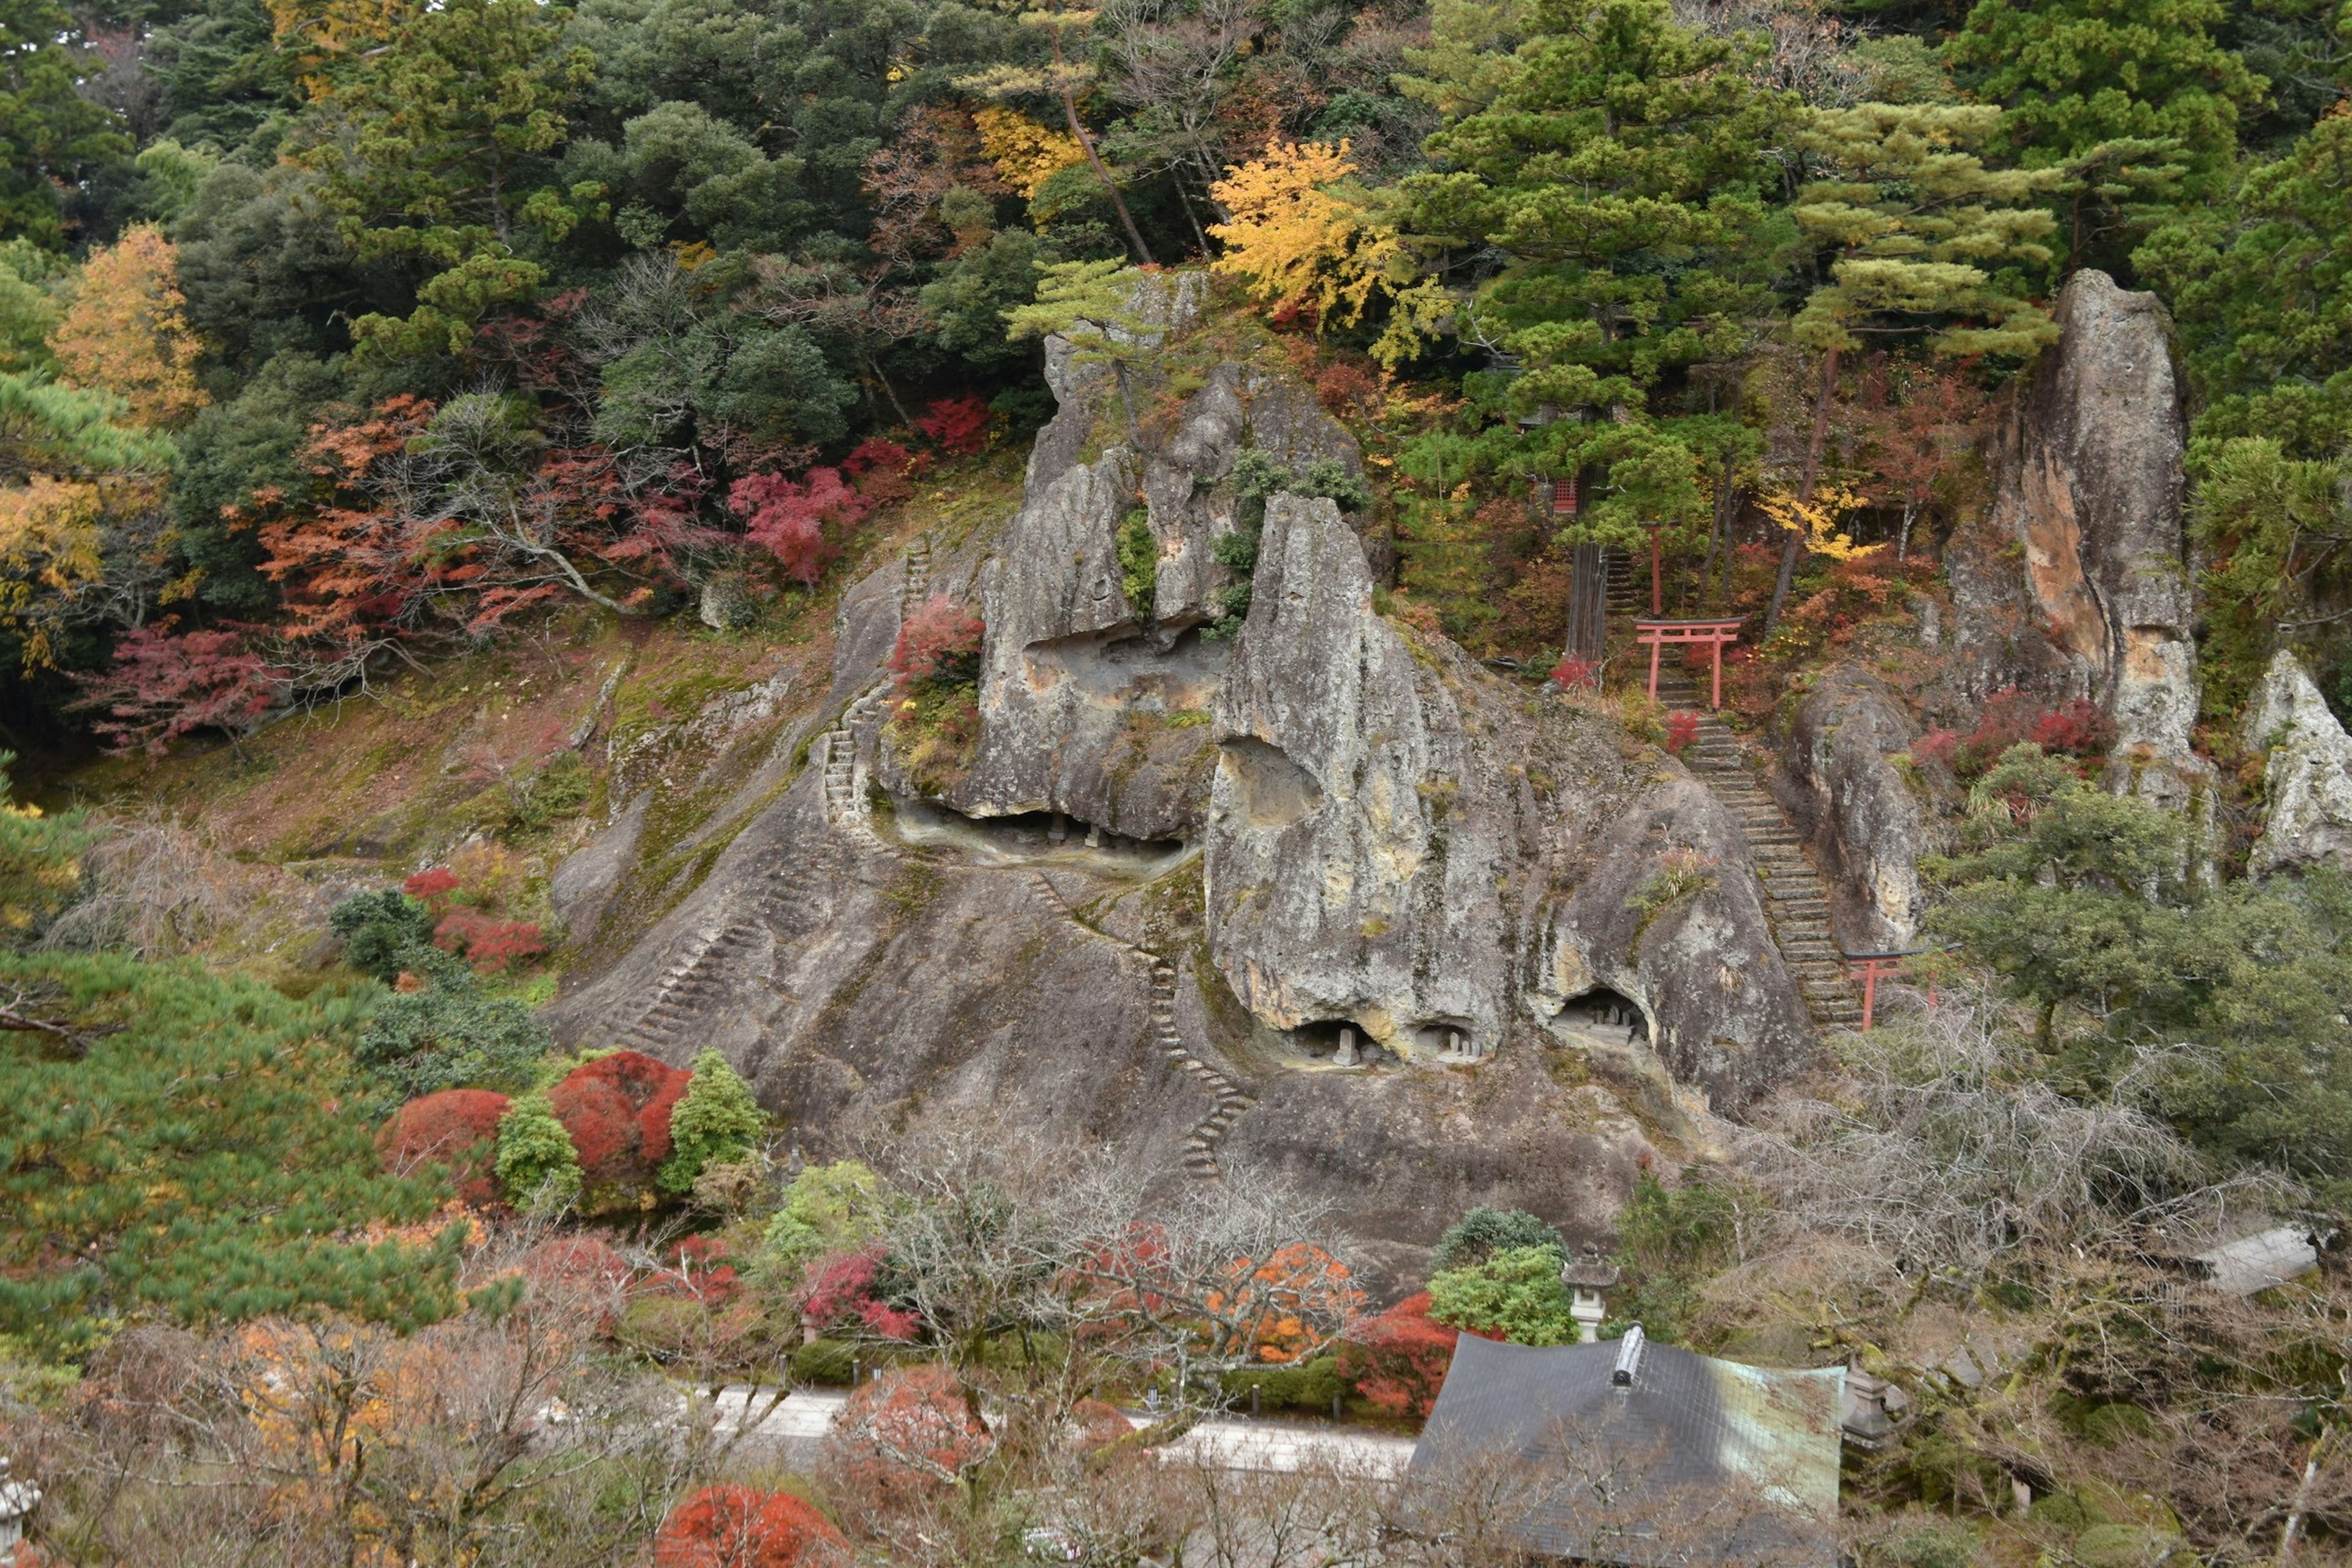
column 1608, row 1015
column 1275, row 791
column 1448, row 1039
column 1168, row 670
column 1340, row 1042
column 1029, row 837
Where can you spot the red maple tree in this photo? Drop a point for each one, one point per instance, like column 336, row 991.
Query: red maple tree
column 1398, row 1359
column 164, row 685
column 736, row 1527
column 788, row 518
column 959, row 425
column 456, row 1128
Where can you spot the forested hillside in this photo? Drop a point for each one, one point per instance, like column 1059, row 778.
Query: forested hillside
column 737, row 698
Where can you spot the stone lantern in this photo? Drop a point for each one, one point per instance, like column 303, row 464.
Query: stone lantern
column 1586, row 1276
column 18, row 1500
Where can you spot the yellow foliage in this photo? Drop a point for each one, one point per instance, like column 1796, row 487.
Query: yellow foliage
column 128, row 331
column 320, row 34
column 1818, row 520
column 49, row 540
column 1026, row 155
column 1296, row 240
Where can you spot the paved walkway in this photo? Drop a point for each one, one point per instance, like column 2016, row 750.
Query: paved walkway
column 795, row 1427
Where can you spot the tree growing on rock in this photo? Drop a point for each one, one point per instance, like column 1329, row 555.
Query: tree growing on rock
column 715, row 1123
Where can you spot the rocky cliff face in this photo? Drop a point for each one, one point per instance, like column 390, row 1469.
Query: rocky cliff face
column 1865, row 815
column 2308, row 778
column 2089, row 507
column 1178, row 870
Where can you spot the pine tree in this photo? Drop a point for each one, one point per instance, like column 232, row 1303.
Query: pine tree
column 716, row 1123
column 439, row 142
column 1908, row 223
column 185, row 1148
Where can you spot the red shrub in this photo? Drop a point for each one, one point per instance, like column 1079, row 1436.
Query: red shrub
column 617, row 1110
column 432, row 887
column 787, row 518
column 492, row 944
column 916, row 1418
column 880, row 470
column 1571, row 672
column 2012, row 718
column 959, row 425
column 1397, row 1360
column 701, row 1269
column 458, row 1128
column 584, row 1260
column 1682, row 729
column 163, row 687
column 736, row 1527
column 939, row 641
column 842, row 1296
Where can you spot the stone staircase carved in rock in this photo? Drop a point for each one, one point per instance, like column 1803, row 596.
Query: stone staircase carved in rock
column 1796, row 899
column 1231, row 1100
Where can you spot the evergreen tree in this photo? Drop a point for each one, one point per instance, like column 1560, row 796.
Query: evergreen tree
column 432, row 155
column 450, row 1033
column 1617, row 172
column 715, row 1123
column 1906, row 224
column 187, row 1149
column 538, row 1167
column 51, row 137
column 1514, row 1294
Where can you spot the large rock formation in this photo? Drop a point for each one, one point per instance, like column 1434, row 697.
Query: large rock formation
column 1858, row 797
column 2089, row 506
column 2307, row 779
column 1132, row 921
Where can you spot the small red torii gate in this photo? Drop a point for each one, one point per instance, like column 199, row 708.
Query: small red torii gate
column 1716, row 635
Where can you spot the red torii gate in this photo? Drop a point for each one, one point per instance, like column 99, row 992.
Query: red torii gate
column 1716, row 635
column 1874, row 965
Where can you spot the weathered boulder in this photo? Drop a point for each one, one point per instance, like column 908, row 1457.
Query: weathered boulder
column 1089, row 702
column 1863, row 812
column 2088, row 508
column 2307, row 781
column 1401, row 844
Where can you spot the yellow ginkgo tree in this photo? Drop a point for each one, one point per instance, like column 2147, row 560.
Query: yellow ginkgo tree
column 1299, row 237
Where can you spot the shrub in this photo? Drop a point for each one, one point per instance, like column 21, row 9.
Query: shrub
column 379, row 929
column 959, row 425
column 917, row 1418
column 617, row 1110
column 487, row 943
column 2010, row 718
column 787, row 518
column 1670, row 1241
column 826, row 1208
column 1139, row 562
column 1682, row 729
column 715, row 1121
column 843, row 1294
column 447, row 1034
column 1307, row 1386
column 456, row 1128
column 736, row 1527
column 1571, row 672
column 939, row 645
column 432, row 887
column 1514, row 1295
column 537, row 1163
column 1482, row 1232
column 1397, row 1360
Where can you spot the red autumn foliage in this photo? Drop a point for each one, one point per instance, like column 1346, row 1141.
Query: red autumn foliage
column 939, row 640
column 2011, row 718
column 456, row 1128
column 881, row 469
column 1397, row 1360
column 1682, row 729
column 701, row 1269
column 1571, row 672
column 916, row 1419
column 581, row 1261
column 617, row 1110
column 841, row 1297
column 489, row 944
column 959, row 425
column 432, row 886
column 736, row 1527
column 163, row 687
column 787, row 518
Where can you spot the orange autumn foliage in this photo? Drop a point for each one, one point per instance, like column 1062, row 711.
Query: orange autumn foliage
column 128, row 331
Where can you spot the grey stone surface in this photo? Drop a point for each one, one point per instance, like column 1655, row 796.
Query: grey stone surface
column 1866, row 821
column 2307, row 779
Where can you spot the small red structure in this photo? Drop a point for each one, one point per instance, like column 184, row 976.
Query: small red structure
column 1563, row 497
column 1873, row 965
column 1655, row 634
